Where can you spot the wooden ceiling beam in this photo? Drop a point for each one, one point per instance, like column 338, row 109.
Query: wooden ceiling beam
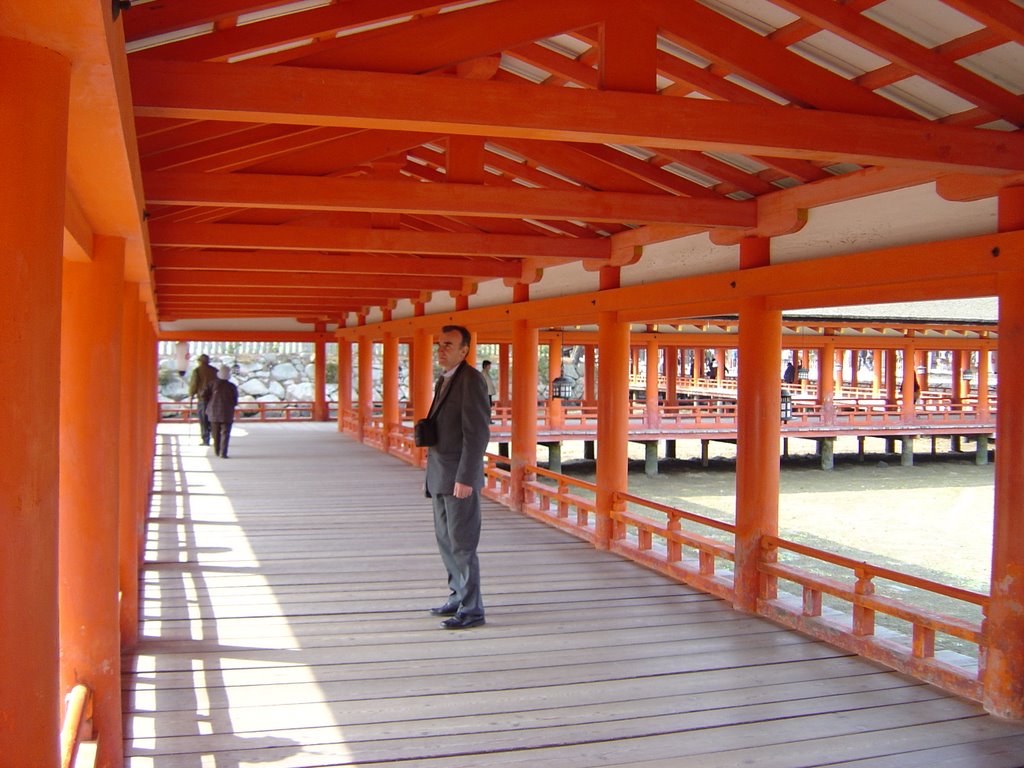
column 917, row 59
column 183, row 291
column 368, row 264
column 166, row 277
column 296, row 238
column 1006, row 18
column 223, row 44
column 498, row 109
column 762, row 61
column 250, row 190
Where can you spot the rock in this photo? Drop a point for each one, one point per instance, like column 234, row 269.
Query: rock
column 285, row 372
column 253, row 387
column 277, row 390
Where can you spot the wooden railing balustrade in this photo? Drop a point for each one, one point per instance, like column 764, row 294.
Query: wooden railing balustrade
column 662, row 525
column 652, row 534
column 559, row 503
column 294, row 410
column 856, row 631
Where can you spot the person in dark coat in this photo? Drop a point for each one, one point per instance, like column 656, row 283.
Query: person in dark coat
column 455, row 475
column 203, row 375
column 221, row 397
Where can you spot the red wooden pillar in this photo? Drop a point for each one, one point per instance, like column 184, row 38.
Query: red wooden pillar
column 130, row 500
column 757, row 444
column 365, row 387
column 921, row 368
column 983, row 371
column 956, row 392
column 344, row 381
column 320, row 411
column 555, row 414
column 33, row 142
column 589, row 377
column 612, row 419
column 1004, row 625
column 524, row 407
column 909, row 377
column 876, row 365
column 146, row 385
column 671, row 375
column 653, row 412
column 504, row 366
column 389, row 388
column 422, row 365
column 826, row 381
column 890, row 376
column 90, row 357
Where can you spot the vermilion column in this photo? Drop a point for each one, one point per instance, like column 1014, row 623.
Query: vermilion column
column 365, row 385
column 589, row 379
column 504, row 364
column 524, row 407
column 33, row 142
column 344, row 381
column 671, row 374
column 909, row 377
column 826, row 382
column 146, row 384
column 612, row 419
column 757, row 444
column 90, row 362
column 422, row 365
column 320, row 410
column 653, row 413
column 389, row 387
column 129, row 531
column 983, row 371
column 1004, row 670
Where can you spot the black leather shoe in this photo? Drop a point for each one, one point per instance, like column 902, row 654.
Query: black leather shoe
column 462, row 622
column 448, row 609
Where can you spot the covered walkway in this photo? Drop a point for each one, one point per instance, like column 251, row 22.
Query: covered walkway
column 284, row 624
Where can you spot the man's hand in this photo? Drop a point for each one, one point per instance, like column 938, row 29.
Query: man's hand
column 462, row 491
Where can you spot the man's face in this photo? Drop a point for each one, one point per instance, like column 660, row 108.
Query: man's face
column 450, row 350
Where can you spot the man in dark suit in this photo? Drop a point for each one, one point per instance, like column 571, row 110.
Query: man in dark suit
column 455, row 475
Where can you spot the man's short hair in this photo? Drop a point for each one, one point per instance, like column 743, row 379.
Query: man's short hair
column 486, row 364
column 204, row 358
column 459, row 330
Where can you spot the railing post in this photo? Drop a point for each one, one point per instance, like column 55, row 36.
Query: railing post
column 863, row 618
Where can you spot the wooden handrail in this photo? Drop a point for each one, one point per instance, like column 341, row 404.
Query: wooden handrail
column 771, row 543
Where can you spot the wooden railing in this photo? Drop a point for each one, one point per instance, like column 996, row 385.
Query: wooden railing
column 564, row 502
column 855, row 630
column 655, row 537
column 295, row 410
column 662, row 537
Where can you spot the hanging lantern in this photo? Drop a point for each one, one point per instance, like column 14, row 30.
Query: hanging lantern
column 181, row 357
column 561, row 388
column 968, row 375
column 803, row 374
column 786, row 406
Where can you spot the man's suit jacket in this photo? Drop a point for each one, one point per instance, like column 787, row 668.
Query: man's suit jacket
column 462, row 434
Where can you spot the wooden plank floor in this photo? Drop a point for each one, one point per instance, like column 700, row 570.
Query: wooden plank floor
column 285, row 623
